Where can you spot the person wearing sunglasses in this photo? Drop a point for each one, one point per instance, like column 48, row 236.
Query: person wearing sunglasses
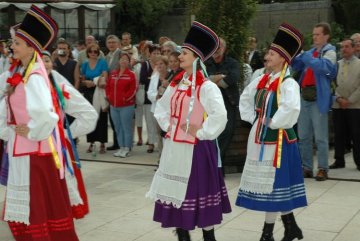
column 94, row 73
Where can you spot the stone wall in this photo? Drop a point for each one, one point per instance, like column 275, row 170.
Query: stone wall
column 268, row 17
column 302, row 15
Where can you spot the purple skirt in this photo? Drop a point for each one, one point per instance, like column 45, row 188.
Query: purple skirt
column 4, row 167
column 206, row 197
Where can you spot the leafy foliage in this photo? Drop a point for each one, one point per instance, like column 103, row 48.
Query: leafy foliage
column 140, row 17
column 347, row 14
column 228, row 18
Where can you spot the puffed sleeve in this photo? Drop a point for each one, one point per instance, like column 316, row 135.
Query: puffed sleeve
column 43, row 118
column 4, row 128
column 289, row 107
column 212, row 100
column 162, row 109
column 78, row 107
column 247, row 101
column 3, row 84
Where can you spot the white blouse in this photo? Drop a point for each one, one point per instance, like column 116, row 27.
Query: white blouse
column 78, row 107
column 210, row 98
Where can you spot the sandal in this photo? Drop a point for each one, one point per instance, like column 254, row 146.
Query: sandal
column 139, row 143
column 102, row 149
column 90, row 149
column 151, row 148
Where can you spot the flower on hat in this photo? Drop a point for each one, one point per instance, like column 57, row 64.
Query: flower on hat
column 15, row 79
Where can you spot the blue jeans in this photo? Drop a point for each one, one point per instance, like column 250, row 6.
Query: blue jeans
column 313, row 123
column 123, row 122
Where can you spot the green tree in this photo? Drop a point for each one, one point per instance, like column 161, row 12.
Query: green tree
column 347, row 14
column 228, row 18
column 140, row 17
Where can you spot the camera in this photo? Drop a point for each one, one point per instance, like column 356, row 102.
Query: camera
column 61, row 52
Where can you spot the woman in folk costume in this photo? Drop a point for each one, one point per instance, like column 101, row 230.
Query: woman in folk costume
column 74, row 104
column 188, row 187
column 37, row 205
column 272, row 179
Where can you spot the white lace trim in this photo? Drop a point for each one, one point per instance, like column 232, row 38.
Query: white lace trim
column 173, row 177
column 168, row 189
column 258, row 177
column 170, row 181
column 17, row 207
column 165, row 199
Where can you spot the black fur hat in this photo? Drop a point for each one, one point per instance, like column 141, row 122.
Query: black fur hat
column 201, row 40
column 288, row 42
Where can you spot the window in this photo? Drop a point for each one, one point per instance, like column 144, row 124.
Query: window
column 98, row 24
column 68, row 23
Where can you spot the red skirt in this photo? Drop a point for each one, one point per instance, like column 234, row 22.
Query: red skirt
column 51, row 217
column 80, row 210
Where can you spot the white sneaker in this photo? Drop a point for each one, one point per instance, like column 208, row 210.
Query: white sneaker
column 125, row 152
column 119, row 152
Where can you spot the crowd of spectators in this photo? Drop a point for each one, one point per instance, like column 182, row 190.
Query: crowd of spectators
column 124, row 81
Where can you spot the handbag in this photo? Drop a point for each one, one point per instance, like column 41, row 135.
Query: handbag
column 309, row 93
column 140, row 95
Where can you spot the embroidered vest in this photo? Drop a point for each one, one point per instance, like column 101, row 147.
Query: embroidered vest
column 179, row 107
column 261, row 105
column 18, row 115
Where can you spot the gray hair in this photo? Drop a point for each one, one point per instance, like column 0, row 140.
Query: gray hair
column 112, row 36
column 170, row 44
column 355, row 35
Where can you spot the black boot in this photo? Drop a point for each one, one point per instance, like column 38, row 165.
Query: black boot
column 267, row 234
column 292, row 231
column 209, row 235
column 183, row 234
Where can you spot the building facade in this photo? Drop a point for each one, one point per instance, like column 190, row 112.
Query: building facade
column 76, row 19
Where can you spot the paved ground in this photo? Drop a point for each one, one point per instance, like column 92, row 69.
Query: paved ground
column 120, row 212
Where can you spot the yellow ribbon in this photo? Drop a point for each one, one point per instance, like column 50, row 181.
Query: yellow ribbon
column 30, row 67
column 281, row 131
column 54, row 153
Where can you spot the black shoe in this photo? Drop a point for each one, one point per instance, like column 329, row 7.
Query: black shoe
column 267, row 234
column 292, row 231
column 358, row 167
column 336, row 165
column 209, row 235
column 112, row 148
column 183, row 234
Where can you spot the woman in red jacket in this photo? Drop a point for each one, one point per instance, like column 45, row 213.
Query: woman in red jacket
column 120, row 91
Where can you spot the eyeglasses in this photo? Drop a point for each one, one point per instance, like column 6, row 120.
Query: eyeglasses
column 93, row 51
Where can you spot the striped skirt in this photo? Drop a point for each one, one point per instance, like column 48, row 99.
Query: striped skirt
column 289, row 189
column 206, row 196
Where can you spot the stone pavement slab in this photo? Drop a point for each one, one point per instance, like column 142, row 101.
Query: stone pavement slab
column 119, row 210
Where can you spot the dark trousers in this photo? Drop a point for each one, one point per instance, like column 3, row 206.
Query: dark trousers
column 226, row 136
column 346, row 119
